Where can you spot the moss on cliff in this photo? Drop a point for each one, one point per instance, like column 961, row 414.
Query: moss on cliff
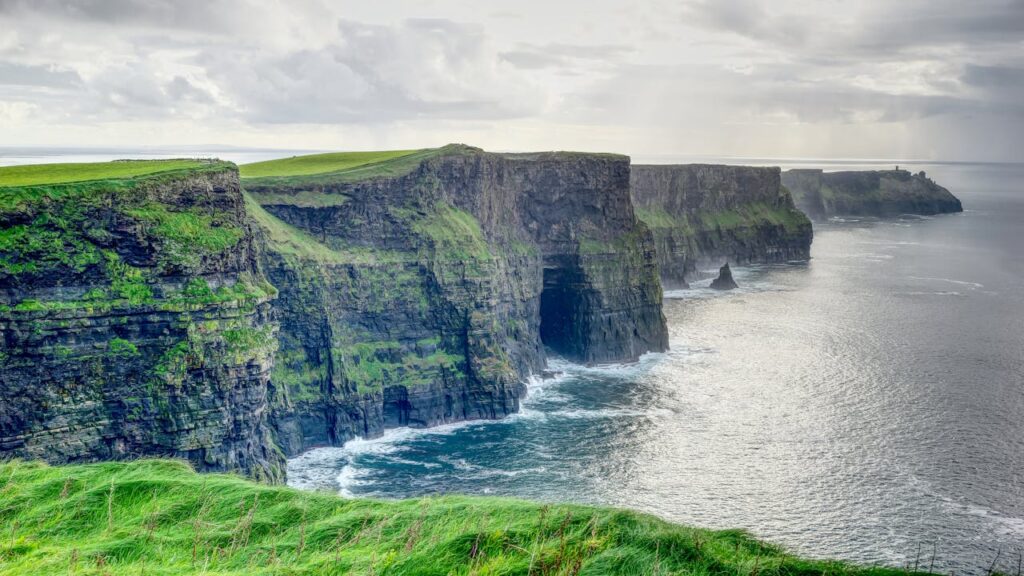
column 135, row 321
column 158, row 517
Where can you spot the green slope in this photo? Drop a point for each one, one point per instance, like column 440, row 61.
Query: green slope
column 38, row 174
column 158, row 517
column 317, row 163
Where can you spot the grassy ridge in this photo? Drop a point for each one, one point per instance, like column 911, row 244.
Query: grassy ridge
column 39, row 174
column 317, row 163
column 158, row 517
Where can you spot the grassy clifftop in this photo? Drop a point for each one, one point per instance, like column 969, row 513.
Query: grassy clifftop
column 318, row 163
column 159, row 517
column 39, row 174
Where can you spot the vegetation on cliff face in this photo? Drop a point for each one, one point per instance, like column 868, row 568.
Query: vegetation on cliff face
column 878, row 193
column 134, row 319
column 158, row 517
column 704, row 214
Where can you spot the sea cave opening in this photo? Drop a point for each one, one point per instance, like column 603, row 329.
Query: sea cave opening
column 563, row 308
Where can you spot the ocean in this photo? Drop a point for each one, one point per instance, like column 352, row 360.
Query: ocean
column 866, row 405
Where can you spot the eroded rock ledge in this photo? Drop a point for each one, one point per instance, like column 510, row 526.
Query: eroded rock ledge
column 174, row 315
column 703, row 215
column 426, row 290
column 881, row 193
column 134, row 321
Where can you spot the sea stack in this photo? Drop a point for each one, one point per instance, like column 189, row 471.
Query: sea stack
column 724, row 280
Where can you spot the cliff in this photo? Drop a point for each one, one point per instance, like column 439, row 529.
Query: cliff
column 423, row 289
column 155, row 309
column 868, row 193
column 133, row 318
column 702, row 215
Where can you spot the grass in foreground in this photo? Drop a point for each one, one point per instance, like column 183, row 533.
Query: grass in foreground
column 317, row 163
column 39, row 174
column 159, row 517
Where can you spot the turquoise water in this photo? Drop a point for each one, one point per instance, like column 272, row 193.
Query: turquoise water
column 867, row 404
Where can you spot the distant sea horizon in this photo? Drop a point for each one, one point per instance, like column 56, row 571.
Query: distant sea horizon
column 22, row 155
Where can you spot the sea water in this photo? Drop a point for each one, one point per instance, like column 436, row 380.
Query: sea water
column 866, row 405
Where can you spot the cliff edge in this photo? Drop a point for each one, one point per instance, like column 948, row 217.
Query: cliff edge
column 881, row 193
column 133, row 317
column 703, row 214
column 425, row 288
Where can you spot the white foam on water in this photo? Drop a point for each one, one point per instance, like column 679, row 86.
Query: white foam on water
column 869, row 256
column 643, row 364
column 338, row 466
column 347, row 479
column 604, row 413
column 972, row 285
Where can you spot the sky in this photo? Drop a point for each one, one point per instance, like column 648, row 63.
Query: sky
column 914, row 79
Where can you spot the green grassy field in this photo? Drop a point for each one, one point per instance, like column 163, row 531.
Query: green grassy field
column 39, row 174
column 318, row 163
column 158, row 517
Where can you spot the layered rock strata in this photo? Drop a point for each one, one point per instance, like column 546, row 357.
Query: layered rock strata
column 426, row 289
column 702, row 215
column 881, row 193
column 173, row 315
column 134, row 321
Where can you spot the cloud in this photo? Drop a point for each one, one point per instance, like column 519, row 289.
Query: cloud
column 420, row 68
column 49, row 76
column 707, row 76
column 566, row 56
column 205, row 15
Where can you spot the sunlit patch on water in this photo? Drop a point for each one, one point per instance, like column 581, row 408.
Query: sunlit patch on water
column 865, row 405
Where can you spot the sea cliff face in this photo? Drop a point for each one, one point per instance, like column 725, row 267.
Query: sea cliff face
column 426, row 291
column 134, row 321
column 703, row 215
column 880, row 193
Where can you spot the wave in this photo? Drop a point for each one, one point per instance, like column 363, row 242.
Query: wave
column 869, row 256
column 643, row 364
column 972, row 285
column 340, row 466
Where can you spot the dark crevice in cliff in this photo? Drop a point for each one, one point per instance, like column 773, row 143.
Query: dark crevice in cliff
column 562, row 311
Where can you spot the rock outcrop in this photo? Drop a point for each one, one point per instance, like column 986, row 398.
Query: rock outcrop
column 702, row 215
column 425, row 290
column 724, row 280
column 134, row 321
column 881, row 193
column 174, row 315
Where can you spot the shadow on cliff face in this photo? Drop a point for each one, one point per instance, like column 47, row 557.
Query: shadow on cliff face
column 563, row 311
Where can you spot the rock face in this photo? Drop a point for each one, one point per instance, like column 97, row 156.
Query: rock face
column 724, row 280
column 868, row 193
column 175, row 315
column 134, row 321
column 704, row 214
column 426, row 290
